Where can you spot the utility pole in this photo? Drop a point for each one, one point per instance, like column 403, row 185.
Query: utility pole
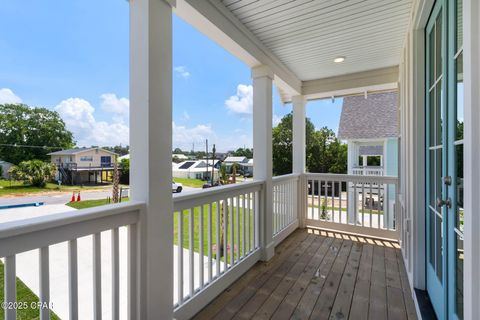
column 206, row 155
column 213, row 162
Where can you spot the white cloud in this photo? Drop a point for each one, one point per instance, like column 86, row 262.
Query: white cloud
column 242, row 102
column 7, row 96
column 118, row 106
column 78, row 115
column 182, row 72
column 184, row 137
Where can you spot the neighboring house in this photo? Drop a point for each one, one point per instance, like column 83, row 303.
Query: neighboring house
column 180, row 156
column 83, row 165
column 370, row 127
column 5, row 167
column 229, row 161
column 196, row 169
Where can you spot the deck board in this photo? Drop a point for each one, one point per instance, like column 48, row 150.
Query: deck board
column 320, row 275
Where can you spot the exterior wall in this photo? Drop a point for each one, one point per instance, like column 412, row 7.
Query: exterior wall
column 95, row 155
column 391, row 157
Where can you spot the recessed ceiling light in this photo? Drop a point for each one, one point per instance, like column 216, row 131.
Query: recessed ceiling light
column 339, row 59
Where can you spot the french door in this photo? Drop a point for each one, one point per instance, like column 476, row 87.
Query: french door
column 444, row 158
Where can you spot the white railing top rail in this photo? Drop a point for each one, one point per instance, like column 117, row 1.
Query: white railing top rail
column 189, row 200
column 285, row 177
column 28, row 234
column 353, row 178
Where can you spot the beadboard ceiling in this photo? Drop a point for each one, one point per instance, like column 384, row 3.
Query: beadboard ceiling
column 307, row 35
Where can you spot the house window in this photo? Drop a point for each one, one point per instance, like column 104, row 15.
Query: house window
column 86, row 158
column 106, row 160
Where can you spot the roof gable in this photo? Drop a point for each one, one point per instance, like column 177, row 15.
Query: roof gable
column 75, row 151
column 371, row 118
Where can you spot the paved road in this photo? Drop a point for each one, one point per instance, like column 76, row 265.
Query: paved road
column 62, row 198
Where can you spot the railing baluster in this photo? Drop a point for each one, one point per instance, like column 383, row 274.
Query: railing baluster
column 209, row 242
column 218, row 256
column 191, row 251
column 73, row 279
column 237, row 226
column 180, row 257
column 311, row 200
column 363, row 203
column 340, row 200
column 132, row 257
column 97, row 276
column 232, row 234
column 386, row 209
column 255, row 221
column 10, row 288
column 44, row 262
column 244, row 233
column 225, row 234
column 249, row 232
column 333, row 201
column 115, row 275
column 355, row 200
column 200, row 246
column 371, row 204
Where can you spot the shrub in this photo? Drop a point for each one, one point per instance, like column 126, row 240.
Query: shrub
column 35, row 172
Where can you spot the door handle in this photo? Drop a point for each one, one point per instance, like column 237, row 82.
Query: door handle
column 447, row 202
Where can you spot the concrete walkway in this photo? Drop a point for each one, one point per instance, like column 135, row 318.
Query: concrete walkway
column 28, row 267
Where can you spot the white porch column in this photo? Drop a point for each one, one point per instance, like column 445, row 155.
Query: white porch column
column 151, row 148
column 299, row 154
column 471, row 47
column 352, row 196
column 262, row 152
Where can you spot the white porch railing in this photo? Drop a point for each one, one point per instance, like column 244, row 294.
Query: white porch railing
column 65, row 236
column 285, row 205
column 220, row 232
column 368, row 171
column 365, row 205
column 217, row 237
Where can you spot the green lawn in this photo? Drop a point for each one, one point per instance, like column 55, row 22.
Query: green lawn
column 10, row 187
column 24, row 295
column 186, row 219
column 194, row 183
column 91, row 203
column 196, row 238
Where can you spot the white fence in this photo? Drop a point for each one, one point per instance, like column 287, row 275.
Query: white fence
column 74, row 230
column 285, row 205
column 216, row 239
column 365, row 205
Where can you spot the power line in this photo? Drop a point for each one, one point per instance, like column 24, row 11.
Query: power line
column 27, row 146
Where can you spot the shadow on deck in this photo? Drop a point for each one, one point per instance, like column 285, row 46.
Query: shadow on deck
column 317, row 274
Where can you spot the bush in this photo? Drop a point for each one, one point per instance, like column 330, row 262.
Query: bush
column 125, row 171
column 35, row 172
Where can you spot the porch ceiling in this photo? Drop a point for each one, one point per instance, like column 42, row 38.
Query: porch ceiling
column 306, row 35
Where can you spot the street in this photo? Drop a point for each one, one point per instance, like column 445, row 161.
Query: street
column 65, row 197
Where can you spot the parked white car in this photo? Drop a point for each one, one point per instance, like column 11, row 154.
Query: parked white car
column 177, row 187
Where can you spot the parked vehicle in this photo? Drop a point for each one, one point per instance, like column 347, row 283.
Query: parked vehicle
column 177, row 187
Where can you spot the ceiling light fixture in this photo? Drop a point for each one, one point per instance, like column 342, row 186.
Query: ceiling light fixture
column 339, row 59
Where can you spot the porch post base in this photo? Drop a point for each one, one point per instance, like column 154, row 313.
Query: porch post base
column 268, row 252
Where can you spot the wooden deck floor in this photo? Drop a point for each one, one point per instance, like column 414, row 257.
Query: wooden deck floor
column 320, row 275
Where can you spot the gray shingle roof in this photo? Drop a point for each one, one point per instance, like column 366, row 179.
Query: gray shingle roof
column 371, row 118
column 73, row 151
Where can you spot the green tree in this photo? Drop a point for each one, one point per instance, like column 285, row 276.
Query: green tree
column 243, row 152
column 324, row 151
column 39, row 128
column 120, row 150
column 35, row 172
column 177, row 151
column 125, row 171
column 282, row 139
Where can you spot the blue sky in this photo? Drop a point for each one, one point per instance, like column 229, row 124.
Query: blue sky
column 74, row 59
